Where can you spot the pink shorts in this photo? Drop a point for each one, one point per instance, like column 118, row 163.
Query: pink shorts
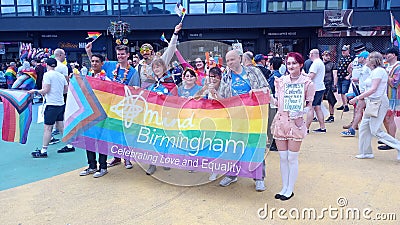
column 283, row 128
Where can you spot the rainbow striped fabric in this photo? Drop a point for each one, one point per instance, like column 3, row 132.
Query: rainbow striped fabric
column 17, row 115
column 93, row 35
column 395, row 31
column 226, row 136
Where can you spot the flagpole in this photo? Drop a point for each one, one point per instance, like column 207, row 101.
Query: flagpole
column 183, row 16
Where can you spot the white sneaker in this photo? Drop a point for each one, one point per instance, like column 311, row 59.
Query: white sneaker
column 213, row 177
column 100, row 173
column 260, row 185
column 365, row 156
column 87, row 172
column 227, row 181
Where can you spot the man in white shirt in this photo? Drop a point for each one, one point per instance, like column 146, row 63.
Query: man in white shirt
column 317, row 74
column 54, row 85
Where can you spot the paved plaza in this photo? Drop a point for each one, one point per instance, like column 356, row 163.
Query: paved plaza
column 331, row 182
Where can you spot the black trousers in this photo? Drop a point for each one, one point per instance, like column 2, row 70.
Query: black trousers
column 91, row 156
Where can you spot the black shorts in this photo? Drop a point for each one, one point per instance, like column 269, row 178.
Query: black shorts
column 53, row 113
column 318, row 98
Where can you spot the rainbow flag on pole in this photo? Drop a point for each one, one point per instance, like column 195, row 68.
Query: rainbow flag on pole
column 93, row 35
column 226, row 136
column 180, row 11
column 395, row 32
column 17, row 115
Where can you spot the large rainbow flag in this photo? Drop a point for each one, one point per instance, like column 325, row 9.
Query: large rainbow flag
column 17, row 116
column 226, row 136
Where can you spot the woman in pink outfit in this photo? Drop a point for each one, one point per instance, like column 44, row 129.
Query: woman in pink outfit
column 294, row 96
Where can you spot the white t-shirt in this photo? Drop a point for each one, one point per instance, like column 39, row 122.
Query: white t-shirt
column 84, row 71
column 61, row 68
column 377, row 73
column 57, row 82
column 318, row 67
column 363, row 73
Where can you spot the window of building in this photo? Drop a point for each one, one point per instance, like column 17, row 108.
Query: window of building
column 16, row 8
column 315, row 5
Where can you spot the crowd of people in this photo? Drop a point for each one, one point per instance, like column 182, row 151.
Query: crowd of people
column 375, row 94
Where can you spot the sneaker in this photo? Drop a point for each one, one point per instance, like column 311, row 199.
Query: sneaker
column 114, row 162
column 55, row 132
column 54, row 141
column 340, row 108
column 227, row 181
column 346, row 109
column 100, row 173
column 260, row 186
column 330, row 119
column 213, row 177
column 151, row 170
column 38, row 154
column 365, row 156
column 315, row 119
column 349, row 133
column 66, row 149
column 385, row 147
column 128, row 164
column 87, row 172
column 319, row 130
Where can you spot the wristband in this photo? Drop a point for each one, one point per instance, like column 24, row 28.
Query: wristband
column 176, row 34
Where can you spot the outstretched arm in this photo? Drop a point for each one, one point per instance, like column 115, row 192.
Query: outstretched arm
column 167, row 56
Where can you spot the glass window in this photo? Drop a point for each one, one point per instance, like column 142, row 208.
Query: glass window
column 8, row 11
column 214, row 8
column 197, row 8
column 7, row 2
column 294, row 5
column 276, row 6
column 170, row 8
column 365, row 3
column 335, row 4
column 156, row 9
column 231, row 8
column 23, row 2
column 315, row 5
column 97, row 8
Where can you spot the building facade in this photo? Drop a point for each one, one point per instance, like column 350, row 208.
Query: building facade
column 261, row 26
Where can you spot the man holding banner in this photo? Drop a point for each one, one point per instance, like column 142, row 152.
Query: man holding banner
column 239, row 80
column 121, row 72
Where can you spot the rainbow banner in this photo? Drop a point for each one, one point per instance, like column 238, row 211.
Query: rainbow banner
column 224, row 136
column 17, row 116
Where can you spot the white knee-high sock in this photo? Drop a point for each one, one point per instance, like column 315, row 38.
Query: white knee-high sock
column 293, row 158
column 284, row 165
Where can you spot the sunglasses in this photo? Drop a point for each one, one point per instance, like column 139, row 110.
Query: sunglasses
column 145, row 49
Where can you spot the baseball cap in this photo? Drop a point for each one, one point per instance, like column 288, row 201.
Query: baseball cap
column 359, row 47
column 363, row 54
column 393, row 50
column 345, row 48
column 259, row 57
column 51, row 62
